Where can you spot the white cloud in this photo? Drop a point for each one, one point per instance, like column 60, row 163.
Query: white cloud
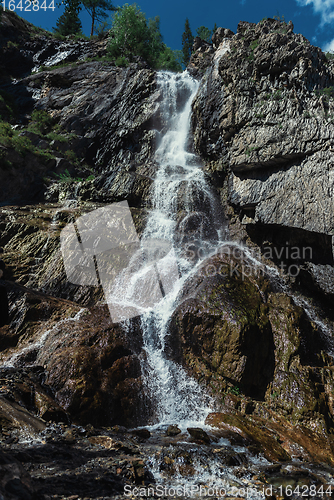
column 329, row 46
column 325, row 8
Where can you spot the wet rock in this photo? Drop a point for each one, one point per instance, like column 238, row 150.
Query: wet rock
column 199, row 434
column 142, row 433
column 14, row 417
column 91, row 364
column 278, row 439
column 107, row 381
column 173, row 430
column 318, row 278
column 230, row 457
column 68, row 436
column 105, row 441
column 268, row 445
column 215, row 333
column 15, row 482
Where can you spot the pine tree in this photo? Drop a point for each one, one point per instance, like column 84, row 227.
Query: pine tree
column 204, row 33
column 97, row 10
column 187, row 43
column 214, row 29
column 69, row 22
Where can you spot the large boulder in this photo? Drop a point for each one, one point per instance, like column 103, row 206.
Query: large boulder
column 236, row 335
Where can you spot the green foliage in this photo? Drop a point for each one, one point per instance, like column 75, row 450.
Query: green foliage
column 101, row 29
column 67, row 178
column 250, row 150
column 253, row 45
column 12, row 45
column 328, row 92
column 329, row 56
column 97, row 10
column 187, row 43
column 277, row 95
column 10, row 138
column 279, row 18
column 53, row 136
column 274, row 96
column 8, row 106
column 234, row 390
column 41, row 122
column 132, row 35
column 204, row 33
column 170, row 60
column 104, row 60
column 56, row 66
column 69, row 22
column 129, row 35
column 71, row 156
column 122, row 62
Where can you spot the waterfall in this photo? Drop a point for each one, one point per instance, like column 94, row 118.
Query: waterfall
column 183, row 215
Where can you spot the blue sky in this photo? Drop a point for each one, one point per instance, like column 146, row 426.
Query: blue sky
column 313, row 18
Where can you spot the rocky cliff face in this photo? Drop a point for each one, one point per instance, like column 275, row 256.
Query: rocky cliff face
column 272, row 125
column 263, row 127
column 263, row 122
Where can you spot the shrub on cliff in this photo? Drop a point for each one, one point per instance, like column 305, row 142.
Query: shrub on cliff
column 204, row 33
column 132, row 35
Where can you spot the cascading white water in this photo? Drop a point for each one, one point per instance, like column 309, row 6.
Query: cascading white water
column 178, row 398
column 181, row 199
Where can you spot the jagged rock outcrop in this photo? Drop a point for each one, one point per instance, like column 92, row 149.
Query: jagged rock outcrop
column 264, row 110
column 25, row 47
column 104, row 119
column 111, row 108
column 104, row 126
column 263, row 123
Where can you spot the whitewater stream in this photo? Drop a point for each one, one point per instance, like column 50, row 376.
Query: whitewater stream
column 183, row 217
